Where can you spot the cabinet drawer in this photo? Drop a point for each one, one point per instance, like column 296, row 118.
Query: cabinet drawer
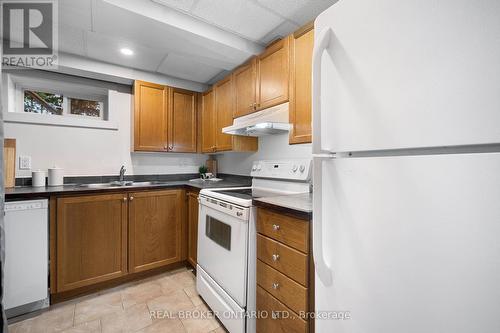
column 291, row 231
column 288, row 261
column 273, row 319
column 283, row 288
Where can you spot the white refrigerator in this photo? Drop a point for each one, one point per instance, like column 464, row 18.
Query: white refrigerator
column 406, row 144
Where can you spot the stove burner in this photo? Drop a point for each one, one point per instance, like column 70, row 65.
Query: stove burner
column 244, row 193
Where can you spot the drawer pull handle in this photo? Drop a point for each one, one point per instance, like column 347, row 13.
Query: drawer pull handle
column 276, row 227
column 276, row 257
column 275, row 285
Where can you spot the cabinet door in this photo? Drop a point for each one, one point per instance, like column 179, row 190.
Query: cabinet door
column 244, row 79
column 273, row 75
column 182, row 121
column 150, row 117
column 91, row 240
column 208, row 122
column 155, row 227
column 192, row 227
column 224, row 113
column 301, row 47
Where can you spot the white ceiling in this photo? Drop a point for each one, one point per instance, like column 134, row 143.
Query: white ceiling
column 197, row 40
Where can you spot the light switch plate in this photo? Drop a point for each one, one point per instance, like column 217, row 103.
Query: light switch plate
column 24, row 162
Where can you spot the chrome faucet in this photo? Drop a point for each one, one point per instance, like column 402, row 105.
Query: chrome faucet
column 122, row 173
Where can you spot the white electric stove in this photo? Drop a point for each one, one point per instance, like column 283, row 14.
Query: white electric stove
column 227, row 239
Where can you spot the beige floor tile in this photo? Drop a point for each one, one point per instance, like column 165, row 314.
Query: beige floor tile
column 129, row 320
column 191, row 291
column 97, row 307
column 26, row 326
column 202, row 321
column 173, row 302
column 197, row 301
column 185, row 279
column 88, row 327
column 164, row 326
column 57, row 319
column 169, row 285
column 140, row 293
column 219, row 330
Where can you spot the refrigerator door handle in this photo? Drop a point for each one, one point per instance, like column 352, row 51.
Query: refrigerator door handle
column 323, row 270
column 320, row 45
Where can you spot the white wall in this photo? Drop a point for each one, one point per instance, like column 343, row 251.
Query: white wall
column 87, row 151
column 271, row 147
column 94, row 69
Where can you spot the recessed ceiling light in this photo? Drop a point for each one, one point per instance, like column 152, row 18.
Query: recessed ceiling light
column 126, row 51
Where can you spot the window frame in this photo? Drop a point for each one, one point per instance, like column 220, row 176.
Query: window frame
column 18, row 84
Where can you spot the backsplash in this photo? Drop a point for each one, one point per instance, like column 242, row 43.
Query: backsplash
column 247, row 180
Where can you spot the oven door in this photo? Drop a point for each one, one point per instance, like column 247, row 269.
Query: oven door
column 223, row 244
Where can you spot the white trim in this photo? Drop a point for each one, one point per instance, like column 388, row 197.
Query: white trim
column 56, row 120
column 14, row 113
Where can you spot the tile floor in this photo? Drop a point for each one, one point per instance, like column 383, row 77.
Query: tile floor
column 163, row 303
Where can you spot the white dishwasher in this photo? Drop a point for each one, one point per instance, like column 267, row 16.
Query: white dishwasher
column 26, row 256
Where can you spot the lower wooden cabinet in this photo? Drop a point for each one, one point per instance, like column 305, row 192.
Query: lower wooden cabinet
column 91, row 240
column 278, row 318
column 285, row 288
column 108, row 236
column 155, row 229
column 192, row 198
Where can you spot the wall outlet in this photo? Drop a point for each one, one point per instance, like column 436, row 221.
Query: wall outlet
column 24, row 162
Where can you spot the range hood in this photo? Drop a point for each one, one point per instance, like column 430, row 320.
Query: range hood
column 273, row 120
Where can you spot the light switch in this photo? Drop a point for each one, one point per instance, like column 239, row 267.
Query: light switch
column 24, row 162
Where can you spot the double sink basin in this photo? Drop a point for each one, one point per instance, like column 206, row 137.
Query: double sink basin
column 122, row 184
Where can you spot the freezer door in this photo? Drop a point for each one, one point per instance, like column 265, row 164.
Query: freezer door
column 403, row 74
column 409, row 244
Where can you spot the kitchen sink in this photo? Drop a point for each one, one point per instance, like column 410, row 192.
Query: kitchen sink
column 122, row 184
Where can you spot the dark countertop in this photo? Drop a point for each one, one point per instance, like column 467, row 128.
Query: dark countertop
column 299, row 205
column 27, row 192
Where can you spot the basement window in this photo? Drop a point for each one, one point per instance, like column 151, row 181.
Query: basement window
column 39, row 99
column 57, row 104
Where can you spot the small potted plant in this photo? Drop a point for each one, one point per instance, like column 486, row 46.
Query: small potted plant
column 203, row 171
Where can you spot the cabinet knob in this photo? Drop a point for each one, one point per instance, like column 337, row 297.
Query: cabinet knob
column 131, row 198
column 276, row 227
column 276, row 257
column 275, row 285
column 239, row 213
column 124, row 199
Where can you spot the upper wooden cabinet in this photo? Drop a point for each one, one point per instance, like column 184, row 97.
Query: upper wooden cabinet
column 182, row 121
column 208, row 122
column 224, row 106
column 150, row 116
column 224, row 112
column 245, row 86
column 165, row 118
column 91, row 240
column 273, row 74
column 300, row 112
column 156, row 229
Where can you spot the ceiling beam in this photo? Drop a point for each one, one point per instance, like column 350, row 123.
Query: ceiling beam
column 219, row 47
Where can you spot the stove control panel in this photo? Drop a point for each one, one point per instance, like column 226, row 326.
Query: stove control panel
column 299, row 169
